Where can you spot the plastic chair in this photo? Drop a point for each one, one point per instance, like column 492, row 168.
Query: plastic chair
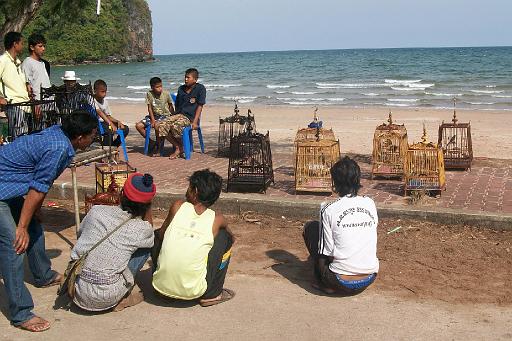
column 188, row 142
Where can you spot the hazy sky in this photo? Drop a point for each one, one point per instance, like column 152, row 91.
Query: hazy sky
column 262, row 25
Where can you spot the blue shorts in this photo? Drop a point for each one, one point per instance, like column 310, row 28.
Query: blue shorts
column 357, row 284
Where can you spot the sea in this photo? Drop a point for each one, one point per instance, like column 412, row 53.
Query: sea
column 478, row 77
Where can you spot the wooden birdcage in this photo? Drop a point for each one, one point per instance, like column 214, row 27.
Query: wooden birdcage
column 424, row 167
column 111, row 197
column 107, row 172
column 232, row 126
column 250, row 162
column 389, row 149
column 455, row 141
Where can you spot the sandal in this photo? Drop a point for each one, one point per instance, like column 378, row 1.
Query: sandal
column 226, row 295
column 34, row 325
column 57, row 280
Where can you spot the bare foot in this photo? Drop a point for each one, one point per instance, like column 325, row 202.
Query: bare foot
column 35, row 325
column 175, row 155
column 134, row 298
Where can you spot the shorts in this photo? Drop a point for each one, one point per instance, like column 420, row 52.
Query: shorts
column 173, row 125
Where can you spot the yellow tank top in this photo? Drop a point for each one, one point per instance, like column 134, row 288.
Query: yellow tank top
column 183, row 259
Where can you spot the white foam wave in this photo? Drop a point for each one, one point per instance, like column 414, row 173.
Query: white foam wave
column 480, row 103
column 501, row 96
column 371, row 94
column 397, row 104
column 402, row 81
column 140, row 92
column 397, row 88
column 421, row 86
column 442, row 94
column 130, row 99
column 490, row 86
column 222, row 85
column 336, row 99
column 300, row 103
column 403, row 99
column 246, row 101
column 280, row 92
column 138, row 87
column 271, row 86
column 349, row 85
column 300, row 99
column 487, row 91
column 239, row 98
column 303, row 92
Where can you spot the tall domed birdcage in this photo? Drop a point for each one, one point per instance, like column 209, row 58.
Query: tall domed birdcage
column 424, row 167
column 389, row 149
column 455, row 141
column 230, row 127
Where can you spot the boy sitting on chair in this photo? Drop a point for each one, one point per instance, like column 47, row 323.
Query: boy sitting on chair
column 160, row 108
column 190, row 100
column 105, row 114
column 193, row 248
column 343, row 244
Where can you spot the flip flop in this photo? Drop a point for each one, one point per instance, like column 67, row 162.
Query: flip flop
column 34, row 325
column 55, row 281
column 226, row 295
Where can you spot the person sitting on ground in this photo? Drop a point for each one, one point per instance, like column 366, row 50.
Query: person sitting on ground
column 193, row 247
column 28, row 167
column 160, row 107
column 343, row 245
column 107, row 278
column 34, row 67
column 190, row 100
column 105, row 114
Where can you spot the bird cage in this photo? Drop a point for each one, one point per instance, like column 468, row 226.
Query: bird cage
column 389, row 149
column 455, row 141
column 112, row 197
column 313, row 162
column 250, row 161
column 232, row 126
column 80, row 97
column 314, row 131
column 108, row 172
column 424, row 167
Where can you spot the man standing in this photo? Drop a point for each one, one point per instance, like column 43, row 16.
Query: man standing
column 13, row 84
column 34, row 67
column 28, row 167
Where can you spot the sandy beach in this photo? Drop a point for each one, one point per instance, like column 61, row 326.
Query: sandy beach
column 354, row 127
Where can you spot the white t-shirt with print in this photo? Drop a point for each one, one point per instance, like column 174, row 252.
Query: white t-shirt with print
column 348, row 232
column 103, row 107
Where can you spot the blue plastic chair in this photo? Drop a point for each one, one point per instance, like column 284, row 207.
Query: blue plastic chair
column 188, row 141
column 119, row 132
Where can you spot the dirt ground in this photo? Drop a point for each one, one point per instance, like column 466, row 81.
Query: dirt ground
column 451, row 280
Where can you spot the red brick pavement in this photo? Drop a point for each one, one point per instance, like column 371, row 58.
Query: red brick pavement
column 486, row 188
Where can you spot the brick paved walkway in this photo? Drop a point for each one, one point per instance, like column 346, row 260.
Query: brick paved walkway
column 486, row 188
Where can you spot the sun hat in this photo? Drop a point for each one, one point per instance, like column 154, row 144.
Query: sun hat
column 139, row 188
column 70, row 76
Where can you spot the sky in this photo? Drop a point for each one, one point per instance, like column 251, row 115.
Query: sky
column 204, row 26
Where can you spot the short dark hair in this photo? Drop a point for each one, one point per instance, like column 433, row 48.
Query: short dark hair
column 346, row 177
column 154, row 81
column 99, row 83
column 192, row 72
column 79, row 122
column 208, row 186
column 34, row 39
column 11, row 38
column 136, row 209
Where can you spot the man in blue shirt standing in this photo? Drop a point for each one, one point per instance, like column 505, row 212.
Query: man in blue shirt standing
column 28, row 167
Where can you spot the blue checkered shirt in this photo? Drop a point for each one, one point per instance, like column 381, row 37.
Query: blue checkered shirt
column 34, row 161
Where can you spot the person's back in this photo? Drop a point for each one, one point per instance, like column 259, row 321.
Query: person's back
column 181, row 271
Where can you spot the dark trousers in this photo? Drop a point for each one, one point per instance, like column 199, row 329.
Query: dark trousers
column 323, row 274
column 116, row 142
column 218, row 262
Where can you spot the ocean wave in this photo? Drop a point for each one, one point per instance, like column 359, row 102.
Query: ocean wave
column 349, row 85
column 420, row 86
column 140, row 92
column 246, row 101
column 401, row 81
column 487, row 91
column 138, row 87
column 490, row 86
column 300, row 103
column 300, row 99
column 222, row 85
column 442, row 94
column 397, row 104
column 303, row 92
column 281, row 92
column 239, row 98
column 270, row 86
column 501, row 96
column 397, row 88
column 370, row 94
column 130, row 99
column 480, row 103
column 403, row 99
column 336, row 99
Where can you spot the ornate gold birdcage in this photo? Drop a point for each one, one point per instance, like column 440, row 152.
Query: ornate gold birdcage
column 316, row 150
column 389, row 149
column 112, row 171
column 455, row 141
column 230, row 127
column 111, row 197
column 424, row 167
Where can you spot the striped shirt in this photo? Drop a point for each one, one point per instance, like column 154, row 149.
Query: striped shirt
column 34, row 162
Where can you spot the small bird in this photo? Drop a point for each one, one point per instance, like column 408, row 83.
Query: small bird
column 452, row 140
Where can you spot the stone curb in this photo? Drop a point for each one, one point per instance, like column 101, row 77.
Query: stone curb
column 236, row 203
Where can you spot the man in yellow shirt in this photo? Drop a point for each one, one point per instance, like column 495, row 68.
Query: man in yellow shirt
column 13, row 83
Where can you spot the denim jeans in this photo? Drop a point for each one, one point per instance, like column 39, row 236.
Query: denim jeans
column 138, row 260
column 11, row 264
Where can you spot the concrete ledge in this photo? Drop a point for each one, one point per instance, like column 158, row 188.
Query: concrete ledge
column 236, row 203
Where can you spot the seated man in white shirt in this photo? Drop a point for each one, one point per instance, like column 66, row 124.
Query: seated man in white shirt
column 343, row 244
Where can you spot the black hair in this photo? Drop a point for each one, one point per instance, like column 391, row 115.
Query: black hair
column 207, row 185
column 99, row 83
column 346, row 176
column 79, row 122
column 11, row 38
column 154, row 81
column 136, row 209
column 34, row 39
column 192, row 72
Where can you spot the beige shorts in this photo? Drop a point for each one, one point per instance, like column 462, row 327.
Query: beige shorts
column 173, row 125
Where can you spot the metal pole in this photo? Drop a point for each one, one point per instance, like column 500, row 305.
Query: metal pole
column 75, row 199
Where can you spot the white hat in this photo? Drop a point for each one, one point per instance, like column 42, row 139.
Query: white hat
column 70, row 76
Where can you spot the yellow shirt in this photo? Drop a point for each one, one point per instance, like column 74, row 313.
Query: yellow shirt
column 13, row 83
column 183, row 259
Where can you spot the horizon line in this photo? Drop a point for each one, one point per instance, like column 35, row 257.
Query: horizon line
column 335, row 49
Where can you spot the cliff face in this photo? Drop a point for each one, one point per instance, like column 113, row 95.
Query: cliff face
column 74, row 34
